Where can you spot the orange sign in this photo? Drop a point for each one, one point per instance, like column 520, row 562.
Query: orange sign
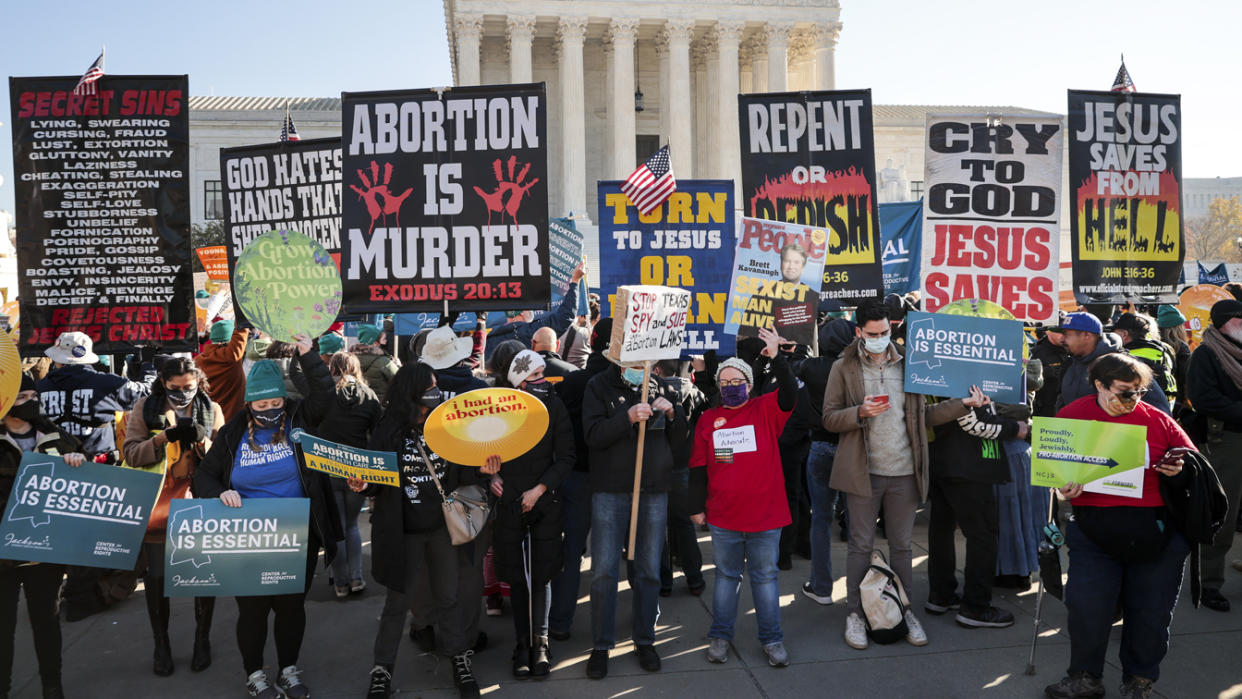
column 474, row 425
column 10, row 372
column 1196, row 304
column 215, row 261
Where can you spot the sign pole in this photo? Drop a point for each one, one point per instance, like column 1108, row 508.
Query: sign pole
column 638, row 469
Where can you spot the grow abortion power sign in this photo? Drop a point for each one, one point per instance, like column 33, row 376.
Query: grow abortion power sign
column 92, row 515
column 217, row 550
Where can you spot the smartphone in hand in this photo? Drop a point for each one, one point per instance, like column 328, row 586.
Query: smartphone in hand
column 1171, row 456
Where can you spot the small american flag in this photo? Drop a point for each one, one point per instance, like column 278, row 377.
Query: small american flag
column 652, row 183
column 1123, row 83
column 86, row 85
column 288, row 132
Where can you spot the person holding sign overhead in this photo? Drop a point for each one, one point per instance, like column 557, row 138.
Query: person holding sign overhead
column 1123, row 551
column 737, row 486
column 24, row 428
column 168, row 433
column 255, row 456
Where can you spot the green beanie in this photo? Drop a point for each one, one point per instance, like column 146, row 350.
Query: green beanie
column 331, row 343
column 266, row 380
column 1169, row 316
column 221, row 331
column 368, row 334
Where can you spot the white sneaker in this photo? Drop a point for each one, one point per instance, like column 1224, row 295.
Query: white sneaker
column 915, row 633
column 856, row 632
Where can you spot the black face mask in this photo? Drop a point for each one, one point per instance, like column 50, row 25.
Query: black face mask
column 431, row 398
column 26, row 411
column 540, row 389
column 180, row 399
column 268, row 418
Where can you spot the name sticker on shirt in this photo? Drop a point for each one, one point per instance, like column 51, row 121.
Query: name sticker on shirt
column 737, row 439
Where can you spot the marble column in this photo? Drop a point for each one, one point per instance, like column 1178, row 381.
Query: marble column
column 661, row 47
column 608, row 158
column 777, row 35
column 698, row 64
column 729, row 166
column 467, row 33
column 570, row 32
column 709, row 134
column 680, row 136
column 826, row 36
column 521, row 34
column 759, row 64
column 623, row 31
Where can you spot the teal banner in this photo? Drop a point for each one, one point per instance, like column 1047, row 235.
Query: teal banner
column 93, row 515
column 218, row 551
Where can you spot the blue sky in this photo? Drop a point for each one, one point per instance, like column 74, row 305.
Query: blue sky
column 906, row 51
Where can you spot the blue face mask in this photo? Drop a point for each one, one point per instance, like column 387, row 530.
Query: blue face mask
column 633, row 376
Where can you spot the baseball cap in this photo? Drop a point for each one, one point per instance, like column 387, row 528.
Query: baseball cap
column 1083, row 321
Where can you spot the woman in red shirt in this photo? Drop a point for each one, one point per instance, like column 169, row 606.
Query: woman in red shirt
column 1123, row 552
column 738, row 488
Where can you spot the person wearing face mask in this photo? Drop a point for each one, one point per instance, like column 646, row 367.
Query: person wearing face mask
column 254, row 456
column 882, row 455
column 23, row 429
column 410, row 544
column 527, row 530
column 1083, row 336
column 737, row 487
column 612, row 409
column 1123, row 552
column 168, row 433
column 1214, row 387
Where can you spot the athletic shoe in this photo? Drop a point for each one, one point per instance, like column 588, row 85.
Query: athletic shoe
column 855, row 632
column 1136, row 688
column 495, row 604
column 381, row 683
column 648, row 658
column 424, row 638
column 938, row 607
column 1079, row 685
column 597, row 664
column 819, row 599
column 987, row 617
column 257, row 686
column 463, row 676
column 914, row 630
column 357, row 586
column 342, row 591
column 717, row 650
column 290, row 682
column 777, row 655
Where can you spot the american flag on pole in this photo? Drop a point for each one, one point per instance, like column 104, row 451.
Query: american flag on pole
column 288, row 132
column 1123, row 83
column 652, row 183
column 86, row 85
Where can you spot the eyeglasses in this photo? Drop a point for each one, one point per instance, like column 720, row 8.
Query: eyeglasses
column 733, row 382
column 1130, row 395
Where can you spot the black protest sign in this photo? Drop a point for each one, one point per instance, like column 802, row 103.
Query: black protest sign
column 103, row 208
column 809, row 158
column 446, row 199
column 1125, row 173
column 295, row 186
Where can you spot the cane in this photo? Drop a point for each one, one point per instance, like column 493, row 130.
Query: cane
column 527, row 564
column 1039, row 600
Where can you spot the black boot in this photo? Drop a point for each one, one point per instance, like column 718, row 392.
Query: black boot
column 521, row 659
column 541, row 660
column 162, row 665
column 204, row 607
column 158, row 612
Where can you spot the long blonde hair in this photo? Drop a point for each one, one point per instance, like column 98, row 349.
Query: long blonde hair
column 344, row 365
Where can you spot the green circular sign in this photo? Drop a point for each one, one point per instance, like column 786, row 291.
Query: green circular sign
column 287, row 284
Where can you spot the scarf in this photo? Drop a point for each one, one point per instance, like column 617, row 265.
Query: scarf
column 1227, row 352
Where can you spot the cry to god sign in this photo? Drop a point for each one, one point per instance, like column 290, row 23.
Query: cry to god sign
column 654, row 326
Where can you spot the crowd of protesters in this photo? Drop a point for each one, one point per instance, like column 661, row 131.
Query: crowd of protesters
column 764, row 450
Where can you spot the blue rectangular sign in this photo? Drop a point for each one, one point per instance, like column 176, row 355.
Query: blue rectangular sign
column 213, row 550
column 687, row 243
column 947, row 354
column 92, row 515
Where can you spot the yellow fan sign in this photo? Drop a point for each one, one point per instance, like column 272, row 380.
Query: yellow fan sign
column 10, row 372
column 473, row 426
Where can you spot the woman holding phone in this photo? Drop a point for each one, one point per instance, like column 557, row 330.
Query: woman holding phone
column 1124, row 552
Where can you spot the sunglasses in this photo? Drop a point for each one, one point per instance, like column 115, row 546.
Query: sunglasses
column 1130, row 395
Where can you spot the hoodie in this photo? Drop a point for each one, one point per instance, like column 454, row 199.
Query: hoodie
column 352, row 415
column 1074, row 383
column 457, row 380
column 83, row 403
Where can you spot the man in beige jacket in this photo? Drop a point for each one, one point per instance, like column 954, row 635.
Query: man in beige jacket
column 882, row 455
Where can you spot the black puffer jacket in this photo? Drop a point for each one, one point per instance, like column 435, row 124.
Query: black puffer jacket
column 214, row 473
column 351, row 415
column 613, row 439
column 547, row 463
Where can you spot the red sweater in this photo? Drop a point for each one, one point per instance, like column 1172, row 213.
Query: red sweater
column 1162, row 434
column 745, row 483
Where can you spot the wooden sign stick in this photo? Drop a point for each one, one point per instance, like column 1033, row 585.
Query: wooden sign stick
column 638, row 469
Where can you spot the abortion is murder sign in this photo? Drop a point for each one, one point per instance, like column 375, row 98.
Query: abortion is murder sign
column 103, row 204
column 446, row 199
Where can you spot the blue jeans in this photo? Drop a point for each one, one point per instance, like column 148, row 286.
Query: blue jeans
column 347, row 566
column 576, row 496
column 610, row 532
column 757, row 552
column 823, row 504
column 1147, row 592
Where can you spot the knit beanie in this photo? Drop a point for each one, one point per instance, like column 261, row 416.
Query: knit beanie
column 1169, row 317
column 368, row 334
column 221, row 332
column 28, row 383
column 266, row 380
column 735, row 363
column 331, row 343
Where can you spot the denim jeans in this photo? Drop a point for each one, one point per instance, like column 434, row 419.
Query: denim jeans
column 1147, row 592
column 823, row 505
column 576, row 494
column 756, row 552
column 347, row 566
column 683, row 536
column 610, row 531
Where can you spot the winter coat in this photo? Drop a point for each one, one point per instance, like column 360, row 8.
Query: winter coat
column 1211, row 391
column 457, row 380
column 559, row 320
column 571, row 391
column 378, row 369
column 613, row 439
column 555, row 366
column 971, row 448
column 1074, row 383
column 352, row 413
column 223, row 366
column 84, row 403
column 1053, row 359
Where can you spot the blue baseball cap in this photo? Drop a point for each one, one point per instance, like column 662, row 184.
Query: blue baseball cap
column 1083, row 321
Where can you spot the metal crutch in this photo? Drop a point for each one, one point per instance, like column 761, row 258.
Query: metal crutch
column 1052, row 542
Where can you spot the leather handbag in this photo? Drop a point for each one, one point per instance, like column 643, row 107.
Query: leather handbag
column 466, row 510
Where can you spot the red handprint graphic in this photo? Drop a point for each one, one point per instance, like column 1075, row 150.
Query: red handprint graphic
column 380, row 201
column 507, row 197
